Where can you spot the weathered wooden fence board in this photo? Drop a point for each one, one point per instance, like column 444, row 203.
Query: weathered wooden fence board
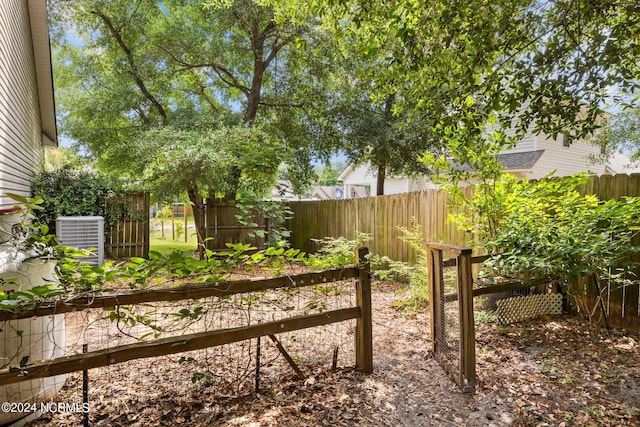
column 222, row 226
column 178, row 293
column 631, row 319
column 129, row 237
column 378, row 216
column 176, row 344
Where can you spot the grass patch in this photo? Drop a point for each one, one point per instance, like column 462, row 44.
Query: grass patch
column 167, row 244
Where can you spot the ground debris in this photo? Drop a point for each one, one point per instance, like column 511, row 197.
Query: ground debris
column 557, row 371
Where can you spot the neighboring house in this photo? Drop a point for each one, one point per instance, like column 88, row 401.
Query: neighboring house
column 619, row 163
column 284, row 191
column 537, row 155
column 361, row 181
column 27, row 113
column 326, row 192
column 336, row 192
column 533, row 157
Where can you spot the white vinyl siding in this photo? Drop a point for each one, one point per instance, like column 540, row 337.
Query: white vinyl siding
column 364, row 175
column 565, row 160
column 360, row 175
column 21, row 149
column 396, row 185
column 422, row 184
column 528, row 143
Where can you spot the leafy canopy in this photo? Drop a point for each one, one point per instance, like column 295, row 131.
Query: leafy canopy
column 477, row 69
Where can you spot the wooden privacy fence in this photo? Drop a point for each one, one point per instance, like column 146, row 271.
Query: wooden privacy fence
column 380, row 216
column 222, row 226
column 622, row 303
column 177, row 344
column 129, row 236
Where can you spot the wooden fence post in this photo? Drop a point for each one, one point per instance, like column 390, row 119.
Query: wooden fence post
column 436, row 294
column 467, row 327
column 364, row 333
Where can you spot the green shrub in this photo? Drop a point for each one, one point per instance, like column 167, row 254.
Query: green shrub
column 416, row 276
column 276, row 213
column 337, row 251
column 72, row 193
column 548, row 230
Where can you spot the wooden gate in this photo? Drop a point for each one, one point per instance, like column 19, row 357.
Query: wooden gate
column 129, row 236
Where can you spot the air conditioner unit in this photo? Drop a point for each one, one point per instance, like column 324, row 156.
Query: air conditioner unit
column 83, row 232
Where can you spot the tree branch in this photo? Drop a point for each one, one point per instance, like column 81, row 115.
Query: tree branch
column 218, row 68
column 134, row 69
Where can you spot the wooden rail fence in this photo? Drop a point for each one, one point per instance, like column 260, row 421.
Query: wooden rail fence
column 170, row 345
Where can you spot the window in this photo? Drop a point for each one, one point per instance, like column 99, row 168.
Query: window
column 566, row 140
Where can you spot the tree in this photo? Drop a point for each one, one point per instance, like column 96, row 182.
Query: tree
column 370, row 128
column 373, row 134
column 144, row 64
column 60, row 157
column 199, row 161
column 621, row 134
column 477, row 69
column 329, row 173
column 145, row 69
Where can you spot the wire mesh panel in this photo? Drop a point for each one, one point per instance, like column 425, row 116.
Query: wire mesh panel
column 290, row 326
column 452, row 327
column 30, row 340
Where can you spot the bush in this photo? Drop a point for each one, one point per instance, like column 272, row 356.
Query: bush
column 71, row 193
column 337, row 251
column 550, row 231
column 416, row 275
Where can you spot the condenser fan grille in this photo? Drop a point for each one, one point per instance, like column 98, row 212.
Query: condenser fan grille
column 83, row 232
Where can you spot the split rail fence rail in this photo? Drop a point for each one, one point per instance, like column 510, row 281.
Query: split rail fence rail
column 171, row 345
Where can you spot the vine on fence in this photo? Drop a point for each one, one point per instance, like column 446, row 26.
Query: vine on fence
column 124, row 322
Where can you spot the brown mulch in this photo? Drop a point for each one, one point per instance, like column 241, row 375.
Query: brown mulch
column 557, row 371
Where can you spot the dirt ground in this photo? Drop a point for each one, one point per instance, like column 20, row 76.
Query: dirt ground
column 550, row 372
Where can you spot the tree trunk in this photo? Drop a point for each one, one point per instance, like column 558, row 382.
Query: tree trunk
column 197, row 203
column 382, row 166
column 382, row 172
column 250, row 112
column 234, row 182
column 253, row 99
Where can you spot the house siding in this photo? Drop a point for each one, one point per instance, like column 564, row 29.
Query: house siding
column 528, row 143
column 363, row 175
column 565, row 160
column 360, row 175
column 396, row 185
column 21, row 150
